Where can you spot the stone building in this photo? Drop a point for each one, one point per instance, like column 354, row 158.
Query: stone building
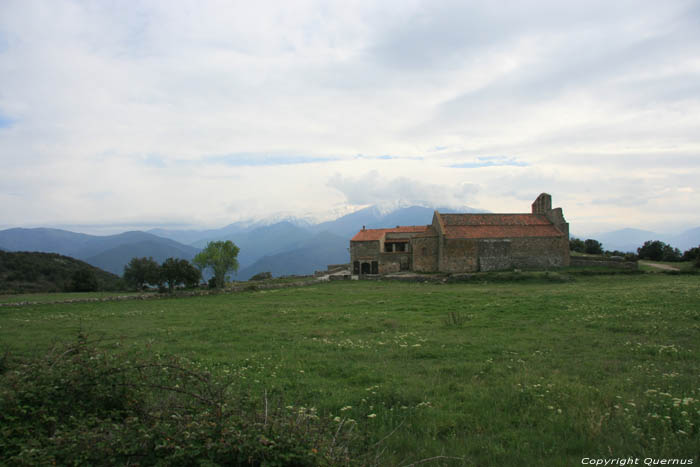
column 455, row 243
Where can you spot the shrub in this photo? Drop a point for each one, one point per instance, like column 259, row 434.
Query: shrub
column 81, row 404
column 261, row 276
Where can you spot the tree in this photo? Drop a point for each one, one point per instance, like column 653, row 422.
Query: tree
column 671, row 254
column 221, row 257
column 142, row 271
column 656, row 250
column 593, row 247
column 691, row 254
column 652, row 249
column 179, row 271
column 190, row 274
column 170, row 272
column 576, row 244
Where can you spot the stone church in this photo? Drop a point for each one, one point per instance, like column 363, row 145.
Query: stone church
column 456, row 243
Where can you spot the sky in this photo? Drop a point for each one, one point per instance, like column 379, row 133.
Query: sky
column 131, row 115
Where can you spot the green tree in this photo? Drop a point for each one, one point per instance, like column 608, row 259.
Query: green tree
column 179, row 271
column 142, row 271
column 671, row 254
column 656, row 250
column 221, row 257
column 691, row 254
column 576, row 244
column 593, row 247
column 652, row 249
column 190, row 274
column 170, row 273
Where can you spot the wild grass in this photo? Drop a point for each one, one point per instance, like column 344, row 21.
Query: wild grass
column 501, row 373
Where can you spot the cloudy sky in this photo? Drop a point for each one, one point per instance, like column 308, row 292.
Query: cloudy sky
column 181, row 113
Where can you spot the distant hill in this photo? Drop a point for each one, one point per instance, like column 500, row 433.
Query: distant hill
column 114, row 259
column 314, row 254
column 266, row 240
column 110, row 252
column 28, row 272
column 688, row 239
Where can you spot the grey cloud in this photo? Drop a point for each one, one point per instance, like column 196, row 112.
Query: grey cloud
column 600, row 60
column 622, row 200
column 255, row 159
column 489, row 161
column 372, row 188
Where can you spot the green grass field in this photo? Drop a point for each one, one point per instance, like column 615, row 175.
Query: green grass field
column 542, row 373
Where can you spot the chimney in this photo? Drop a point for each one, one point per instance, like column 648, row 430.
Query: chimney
column 363, row 228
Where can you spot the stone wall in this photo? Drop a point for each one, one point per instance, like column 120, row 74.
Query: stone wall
column 390, row 263
column 459, row 255
column 584, row 261
column 540, row 252
column 364, row 250
column 425, row 254
column 495, row 255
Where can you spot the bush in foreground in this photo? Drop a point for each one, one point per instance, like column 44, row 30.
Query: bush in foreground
column 81, row 404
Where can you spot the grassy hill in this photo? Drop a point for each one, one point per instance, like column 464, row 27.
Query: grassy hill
column 25, row 272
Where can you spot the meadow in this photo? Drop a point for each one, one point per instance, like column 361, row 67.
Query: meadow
column 506, row 373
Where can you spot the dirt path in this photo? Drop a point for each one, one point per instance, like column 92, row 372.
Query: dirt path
column 665, row 267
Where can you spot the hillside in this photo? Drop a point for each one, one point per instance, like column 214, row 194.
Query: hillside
column 25, row 272
column 110, row 252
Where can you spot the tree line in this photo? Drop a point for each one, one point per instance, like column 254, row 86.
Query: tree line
column 220, row 257
column 654, row 250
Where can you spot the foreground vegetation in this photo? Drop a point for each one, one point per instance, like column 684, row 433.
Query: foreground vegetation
column 540, row 372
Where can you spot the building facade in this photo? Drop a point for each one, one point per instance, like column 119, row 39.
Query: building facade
column 455, row 243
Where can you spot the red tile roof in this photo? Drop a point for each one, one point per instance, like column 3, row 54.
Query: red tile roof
column 501, row 231
column 367, row 235
column 494, row 219
column 475, row 226
column 498, row 226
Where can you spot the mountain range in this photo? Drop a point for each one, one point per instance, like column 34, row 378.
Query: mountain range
column 285, row 247
column 110, row 253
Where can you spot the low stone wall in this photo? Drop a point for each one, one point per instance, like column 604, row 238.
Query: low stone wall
column 237, row 287
column 584, row 261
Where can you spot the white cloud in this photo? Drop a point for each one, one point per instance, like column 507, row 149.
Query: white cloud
column 372, row 188
column 209, row 112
